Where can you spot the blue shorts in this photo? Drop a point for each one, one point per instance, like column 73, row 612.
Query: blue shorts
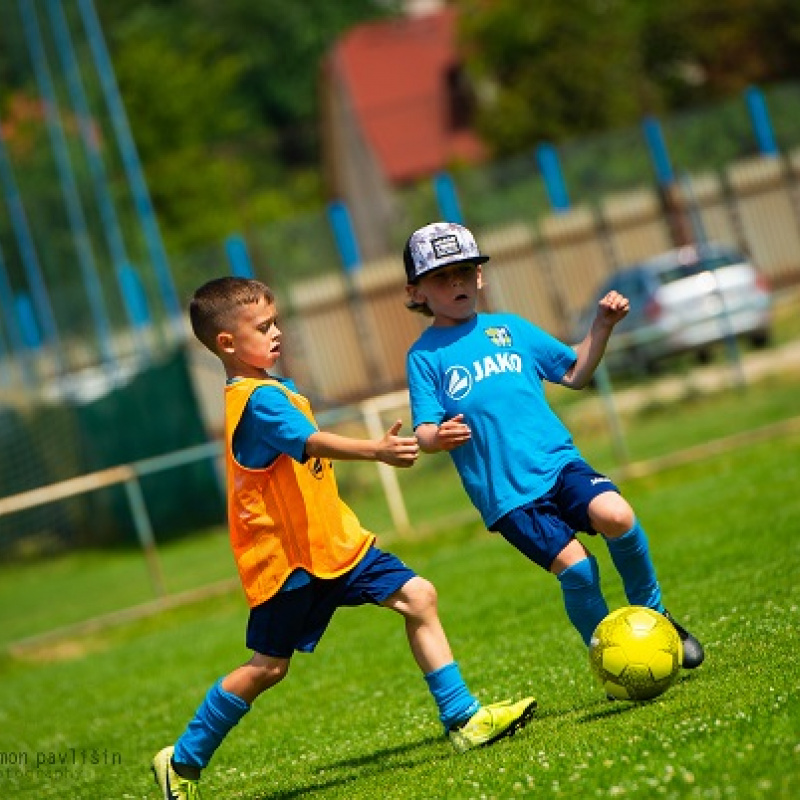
column 297, row 619
column 541, row 529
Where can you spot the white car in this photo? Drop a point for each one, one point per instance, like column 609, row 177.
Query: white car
column 685, row 300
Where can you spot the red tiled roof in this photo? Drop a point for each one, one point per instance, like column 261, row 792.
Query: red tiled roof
column 396, row 72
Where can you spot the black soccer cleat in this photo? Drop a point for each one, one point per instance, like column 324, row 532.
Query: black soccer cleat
column 693, row 653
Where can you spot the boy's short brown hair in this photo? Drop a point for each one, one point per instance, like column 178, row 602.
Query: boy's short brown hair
column 213, row 306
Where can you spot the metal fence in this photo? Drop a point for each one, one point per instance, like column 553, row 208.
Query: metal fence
column 346, row 337
column 546, row 269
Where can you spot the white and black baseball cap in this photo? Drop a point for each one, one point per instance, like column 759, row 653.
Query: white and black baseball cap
column 438, row 245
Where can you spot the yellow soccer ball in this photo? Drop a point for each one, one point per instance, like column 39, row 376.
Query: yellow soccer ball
column 635, row 653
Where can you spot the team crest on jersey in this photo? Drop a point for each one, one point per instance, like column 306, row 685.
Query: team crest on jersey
column 499, row 336
column 316, row 466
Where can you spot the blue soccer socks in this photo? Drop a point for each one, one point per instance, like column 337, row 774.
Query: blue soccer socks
column 631, row 556
column 583, row 600
column 453, row 699
column 218, row 713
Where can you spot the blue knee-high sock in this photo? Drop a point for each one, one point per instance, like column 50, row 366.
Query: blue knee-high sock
column 631, row 556
column 455, row 702
column 583, row 600
column 218, row 713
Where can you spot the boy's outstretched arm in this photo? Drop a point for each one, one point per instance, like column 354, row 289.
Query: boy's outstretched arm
column 397, row 451
column 610, row 310
column 447, row 436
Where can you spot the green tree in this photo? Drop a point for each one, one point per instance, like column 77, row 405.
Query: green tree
column 548, row 70
column 222, row 99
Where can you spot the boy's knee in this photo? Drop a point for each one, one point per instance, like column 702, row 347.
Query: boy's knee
column 613, row 517
column 266, row 671
column 421, row 595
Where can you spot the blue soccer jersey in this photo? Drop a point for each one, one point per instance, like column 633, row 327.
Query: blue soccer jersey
column 271, row 425
column 491, row 369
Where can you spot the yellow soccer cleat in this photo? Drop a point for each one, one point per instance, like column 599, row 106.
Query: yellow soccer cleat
column 172, row 785
column 491, row 723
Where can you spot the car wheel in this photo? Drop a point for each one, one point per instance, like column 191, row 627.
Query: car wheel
column 704, row 355
column 760, row 339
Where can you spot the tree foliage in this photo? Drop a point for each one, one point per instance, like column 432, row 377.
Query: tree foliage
column 223, row 96
column 548, row 70
column 223, row 101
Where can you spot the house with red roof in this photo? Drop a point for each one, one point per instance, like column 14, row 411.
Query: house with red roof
column 397, row 108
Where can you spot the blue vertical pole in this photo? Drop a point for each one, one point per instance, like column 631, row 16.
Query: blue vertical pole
column 447, row 198
column 550, row 167
column 134, row 295
column 29, row 256
column 31, row 335
column 5, row 372
column 657, row 147
column 350, row 255
column 762, row 125
column 69, row 189
column 132, row 165
column 91, row 147
column 238, row 257
column 9, row 310
column 8, row 307
column 342, row 226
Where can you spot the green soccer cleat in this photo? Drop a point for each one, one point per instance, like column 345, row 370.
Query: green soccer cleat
column 491, row 723
column 172, row 785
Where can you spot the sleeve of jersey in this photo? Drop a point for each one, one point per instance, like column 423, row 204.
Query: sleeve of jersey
column 425, row 406
column 281, row 426
column 552, row 357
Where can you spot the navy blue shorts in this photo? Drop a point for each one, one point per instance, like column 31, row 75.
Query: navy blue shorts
column 297, row 619
column 541, row 529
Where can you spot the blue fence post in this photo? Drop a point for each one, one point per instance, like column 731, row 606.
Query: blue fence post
column 134, row 296
column 344, row 234
column 29, row 257
column 10, row 322
column 112, row 229
column 659, row 155
column 238, row 257
column 685, row 220
column 69, row 187
column 8, row 307
column 550, row 167
column 31, row 335
column 350, row 255
column 447, row 198
column 762, row 125
column 132, row 166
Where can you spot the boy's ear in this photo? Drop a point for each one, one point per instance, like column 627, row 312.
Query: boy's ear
column 225, row 342
column 414, row 293
column 480, row 276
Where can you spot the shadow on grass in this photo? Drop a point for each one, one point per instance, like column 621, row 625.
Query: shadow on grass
column 389, row 759
column 610, row 708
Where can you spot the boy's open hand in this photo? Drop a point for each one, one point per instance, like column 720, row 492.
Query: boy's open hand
column 452, row 433
column 398, row 451
column 612, row 308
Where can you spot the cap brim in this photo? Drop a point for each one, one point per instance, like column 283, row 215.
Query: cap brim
column 477, row 260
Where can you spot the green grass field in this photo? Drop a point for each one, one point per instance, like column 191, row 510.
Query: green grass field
column 82, row 718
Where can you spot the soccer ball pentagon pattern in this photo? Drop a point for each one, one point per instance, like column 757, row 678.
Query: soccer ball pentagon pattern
column 635, row 653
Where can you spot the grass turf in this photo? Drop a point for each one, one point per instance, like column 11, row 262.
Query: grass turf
column 355, row 719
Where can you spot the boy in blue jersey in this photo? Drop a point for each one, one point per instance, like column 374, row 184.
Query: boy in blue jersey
column 301, row 553
column 476, row 386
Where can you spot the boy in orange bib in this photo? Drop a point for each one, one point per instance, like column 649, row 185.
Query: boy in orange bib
column 300, row 551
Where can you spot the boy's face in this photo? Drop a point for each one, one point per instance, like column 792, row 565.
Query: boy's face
column 252, row 345
column 451, row 293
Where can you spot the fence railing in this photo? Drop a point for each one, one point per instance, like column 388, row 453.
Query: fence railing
column 129, row 476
